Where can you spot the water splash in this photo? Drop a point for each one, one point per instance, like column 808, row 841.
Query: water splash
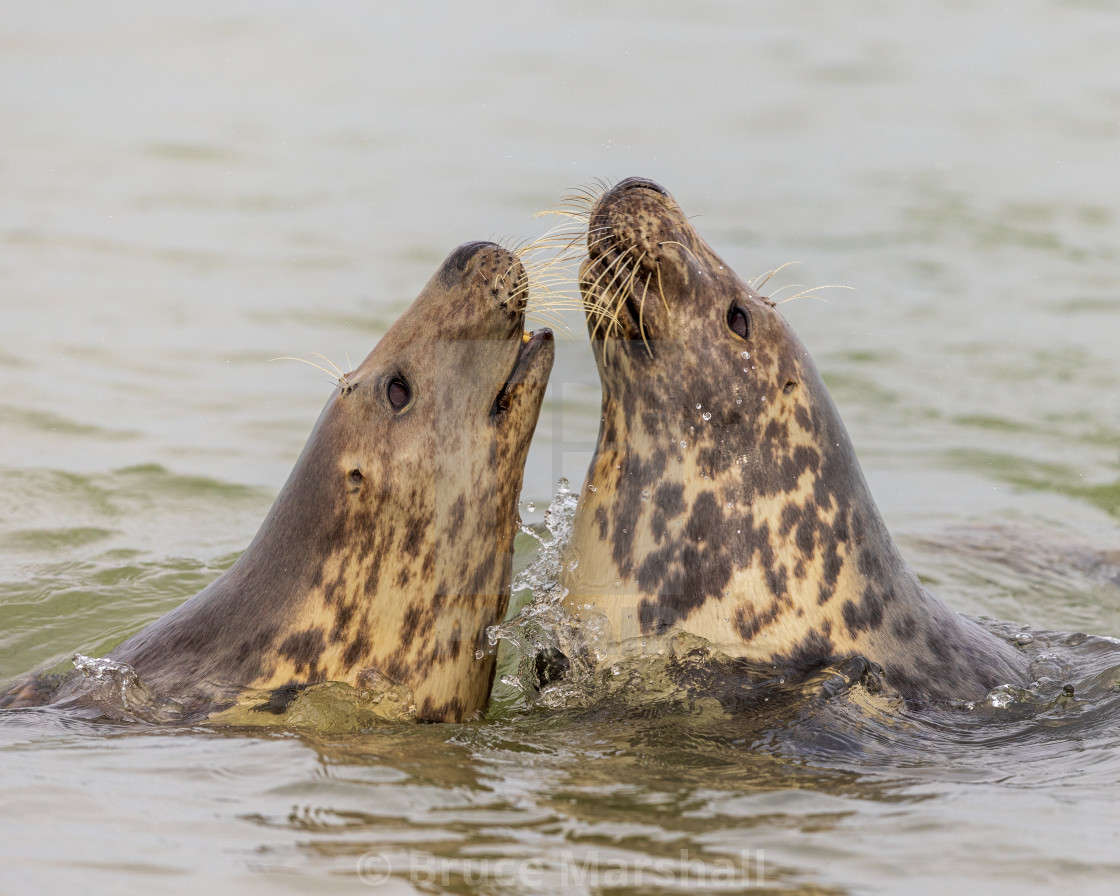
column 115, row 690
column 543, row 627
column 597, row 667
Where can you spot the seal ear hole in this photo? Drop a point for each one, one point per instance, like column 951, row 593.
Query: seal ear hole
column 739, row 320
column 398, row 393
column 789, row 387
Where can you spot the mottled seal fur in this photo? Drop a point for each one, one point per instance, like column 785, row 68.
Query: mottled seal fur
column 724, row 495
column 388, row 552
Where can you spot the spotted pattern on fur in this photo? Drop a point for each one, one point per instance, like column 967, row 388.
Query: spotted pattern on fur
column 389, row 549
column 724, row 495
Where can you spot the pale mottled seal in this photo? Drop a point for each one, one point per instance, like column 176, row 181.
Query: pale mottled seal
column 388, row 551
column 724, row 495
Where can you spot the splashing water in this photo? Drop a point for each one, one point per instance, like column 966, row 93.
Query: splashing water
column 542, row 625
column 116, row 691
column 665, row 666
column 598, row 666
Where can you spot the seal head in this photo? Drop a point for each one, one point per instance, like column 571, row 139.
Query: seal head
column 724, row 496
column 388, row 551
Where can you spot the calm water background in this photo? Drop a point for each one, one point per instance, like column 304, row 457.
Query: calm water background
column 185, row 195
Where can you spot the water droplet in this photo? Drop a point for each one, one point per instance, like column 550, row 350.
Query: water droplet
column 738, row 401
column 1024, row 638
column 698, row 406
column 745, row 355
column 562, row 485
column 707, row 415
column 645, row 494
column 530, row 507
column 593, row 488
column 478, row 654
column 684, row 444
column 730, row 505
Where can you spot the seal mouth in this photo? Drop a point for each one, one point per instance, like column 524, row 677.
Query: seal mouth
column 616, row 281
column 532, row 345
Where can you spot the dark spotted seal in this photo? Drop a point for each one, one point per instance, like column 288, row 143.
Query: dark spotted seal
column 388, row 551
column 724, row 496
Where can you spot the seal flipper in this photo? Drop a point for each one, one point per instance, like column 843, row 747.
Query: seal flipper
column 35, row 690
column 280, row 699
column 850, row 672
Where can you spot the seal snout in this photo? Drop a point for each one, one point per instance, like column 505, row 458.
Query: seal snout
column 634, row 235
column 498, row 271
column 629, row 197
column 639, row 183
column 462, row 256
column 636, row 216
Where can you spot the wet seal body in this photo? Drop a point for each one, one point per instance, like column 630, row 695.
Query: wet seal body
column 388, row 551
column 724, row 496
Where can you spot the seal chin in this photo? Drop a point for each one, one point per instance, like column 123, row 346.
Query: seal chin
column 533, row 364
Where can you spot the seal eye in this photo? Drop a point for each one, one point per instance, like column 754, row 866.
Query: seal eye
column 739, row 320
column 398, row 393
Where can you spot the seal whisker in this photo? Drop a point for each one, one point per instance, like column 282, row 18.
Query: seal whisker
column 583, row 198
column 683, row 246
column 594, row 290
column 629, row 294
column 607, row 294
column 631, row 268
column 601, row 235
column 641, row 314
column 337, row 375
column 334, row 366
column 551, row 319
column 806, row 293
column 761, row 280
column 563, row 235
column 567, row 214
column 661, row 290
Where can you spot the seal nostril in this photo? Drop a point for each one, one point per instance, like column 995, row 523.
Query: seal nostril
column 356, row 477
column 461, row 257
column 789, row 387
column 632, row 183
